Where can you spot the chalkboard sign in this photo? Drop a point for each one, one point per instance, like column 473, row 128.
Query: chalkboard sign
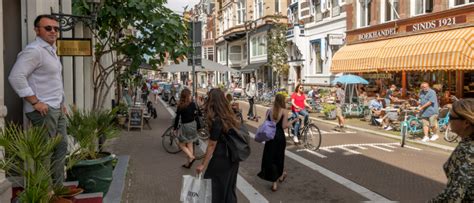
column 135, row 118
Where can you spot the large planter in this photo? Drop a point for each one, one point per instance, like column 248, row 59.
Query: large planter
column 93, row 175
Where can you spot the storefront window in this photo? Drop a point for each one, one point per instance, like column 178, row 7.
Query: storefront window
column 468, row 89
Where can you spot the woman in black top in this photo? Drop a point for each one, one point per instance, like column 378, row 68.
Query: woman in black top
column 220, row 169
column 186, row 112
column 273, row 159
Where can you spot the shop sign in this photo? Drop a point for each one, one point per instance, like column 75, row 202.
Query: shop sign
column 378, row 33
column 377, row 76
column 336, row 39
column 74, row 47
column 436, row 23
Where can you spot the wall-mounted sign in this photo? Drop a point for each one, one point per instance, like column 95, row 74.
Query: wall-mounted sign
column 74, row 47
column 378, row 33
column 336, row 39
column 436, row 23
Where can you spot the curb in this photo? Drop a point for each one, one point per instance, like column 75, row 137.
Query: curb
column 118, row 180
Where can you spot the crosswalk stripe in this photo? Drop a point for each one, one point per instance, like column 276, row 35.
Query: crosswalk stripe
column 360, row 147
column 412, row 148
column 389, row 146
column 326, row 149
column 381, row 148
column 249, row 191
column 312, row 152
column 349, row 150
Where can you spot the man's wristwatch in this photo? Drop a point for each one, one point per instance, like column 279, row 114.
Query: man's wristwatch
column 34, row 103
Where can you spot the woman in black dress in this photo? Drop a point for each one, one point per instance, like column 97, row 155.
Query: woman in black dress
column 273, row 159
column 220, row 169
column 186, row 112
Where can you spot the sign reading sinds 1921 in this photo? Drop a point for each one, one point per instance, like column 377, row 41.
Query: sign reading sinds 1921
column 436, row 23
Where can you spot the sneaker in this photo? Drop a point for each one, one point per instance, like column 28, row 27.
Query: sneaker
column 434, row 137
column 295, row 139
column 388, row 128
column 425, row 139
column 379, row 120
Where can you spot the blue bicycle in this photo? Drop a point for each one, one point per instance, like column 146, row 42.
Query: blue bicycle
column 410, row 125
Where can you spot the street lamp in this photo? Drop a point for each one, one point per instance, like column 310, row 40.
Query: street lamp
column 68, row 21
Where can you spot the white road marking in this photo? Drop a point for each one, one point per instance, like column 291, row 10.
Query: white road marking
column 248, row 190
column 326, row 149
column 349, row 150
column 389, row 146
column 372, row 196
column 312, row 152
column 381, row 148
column 360, row 147
column 412, row 148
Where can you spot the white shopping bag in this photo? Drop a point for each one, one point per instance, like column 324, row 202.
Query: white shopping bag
column 196, row 190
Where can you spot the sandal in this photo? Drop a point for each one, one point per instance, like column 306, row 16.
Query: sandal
column 283, row 177
column 189, row 164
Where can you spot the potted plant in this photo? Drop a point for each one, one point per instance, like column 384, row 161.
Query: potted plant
column 329, row 111
column 122, row 113
column 90, row 129
column 27, row 155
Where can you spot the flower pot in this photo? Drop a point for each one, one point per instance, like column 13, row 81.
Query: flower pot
column 94, row 175
column 121, row 120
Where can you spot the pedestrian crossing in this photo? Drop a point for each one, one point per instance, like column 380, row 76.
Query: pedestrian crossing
column 357, row 149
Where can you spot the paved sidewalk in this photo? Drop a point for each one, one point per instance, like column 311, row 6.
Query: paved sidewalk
column 357, row 124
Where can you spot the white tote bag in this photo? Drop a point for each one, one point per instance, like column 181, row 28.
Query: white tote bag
column 196, row 189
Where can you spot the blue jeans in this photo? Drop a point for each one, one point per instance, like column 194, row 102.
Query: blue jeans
column 297, row 124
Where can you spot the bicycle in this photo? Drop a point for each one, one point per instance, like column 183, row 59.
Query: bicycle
column 169, row 141
column 309, row 134
column 410, row 125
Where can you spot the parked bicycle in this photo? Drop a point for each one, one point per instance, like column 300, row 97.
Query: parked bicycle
column 448, row 134
column 169, row 141
column 309, row 134
column 410, row 125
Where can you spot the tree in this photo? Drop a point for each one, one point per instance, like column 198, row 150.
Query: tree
column 131, row 33
column 277, row 55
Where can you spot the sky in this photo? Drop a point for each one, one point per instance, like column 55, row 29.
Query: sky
column 178, row 5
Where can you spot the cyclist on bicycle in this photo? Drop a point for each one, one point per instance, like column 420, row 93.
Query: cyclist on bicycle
column 429, row 110
column 298, row 104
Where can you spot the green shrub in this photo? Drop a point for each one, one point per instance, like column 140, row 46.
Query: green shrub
column 327, row 108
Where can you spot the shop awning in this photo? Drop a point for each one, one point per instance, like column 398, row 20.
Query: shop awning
column 358, row 58
column 448, row 50
column 252, row 67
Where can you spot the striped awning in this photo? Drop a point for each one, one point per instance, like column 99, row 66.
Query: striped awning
column 358, row 58
column 448, row 50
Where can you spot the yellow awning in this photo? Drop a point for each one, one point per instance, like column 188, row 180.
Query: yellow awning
column 448, row 50
column 358, row 58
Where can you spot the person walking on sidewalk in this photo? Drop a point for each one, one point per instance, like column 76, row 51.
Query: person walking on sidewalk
column 298, row 104
column 429, row 110
column 251, row 92
column 186, row 112
column 273, row 159
column 37, row 78
column 340, row 100
column 220, row 168
column 459, row 168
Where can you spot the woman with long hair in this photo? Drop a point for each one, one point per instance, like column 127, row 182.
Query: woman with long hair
column 273, row 159
column 459, row 168
column 298, row 104
column 186, row 112
column 220, row 169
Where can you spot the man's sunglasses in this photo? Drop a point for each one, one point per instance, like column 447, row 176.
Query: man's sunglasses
column 50, row 28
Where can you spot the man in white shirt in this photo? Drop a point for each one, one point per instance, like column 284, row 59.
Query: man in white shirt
column 36, row 77
column 251, row 92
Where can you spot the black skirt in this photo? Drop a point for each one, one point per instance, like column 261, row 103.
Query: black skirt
column 273, row 159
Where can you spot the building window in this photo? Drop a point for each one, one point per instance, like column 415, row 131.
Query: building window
column 293, row 14
column 258, row 9
column 460, row 2
column 254, row 46
column 318, row 61
column 419, row 7
column 390, row 9
column 364, row 15
column 222, row 55
column 259, row 46
column 241, row 11
column 277, row 6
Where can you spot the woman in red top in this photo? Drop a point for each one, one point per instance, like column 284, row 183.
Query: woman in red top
column 298, row 104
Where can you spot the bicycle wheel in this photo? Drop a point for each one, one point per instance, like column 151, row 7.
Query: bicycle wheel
column 414, row 125
column 403, row 133
column 199, row 148
column 170, row 142
column 203, row 134
column 312, row 137
column 450, row 136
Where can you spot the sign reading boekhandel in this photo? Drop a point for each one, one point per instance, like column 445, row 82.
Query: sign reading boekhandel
column 74, row 47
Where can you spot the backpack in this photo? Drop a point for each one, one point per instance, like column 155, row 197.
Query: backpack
column 237, row 141
column 267, row 130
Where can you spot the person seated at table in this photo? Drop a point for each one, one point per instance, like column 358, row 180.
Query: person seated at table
column 375, row 106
